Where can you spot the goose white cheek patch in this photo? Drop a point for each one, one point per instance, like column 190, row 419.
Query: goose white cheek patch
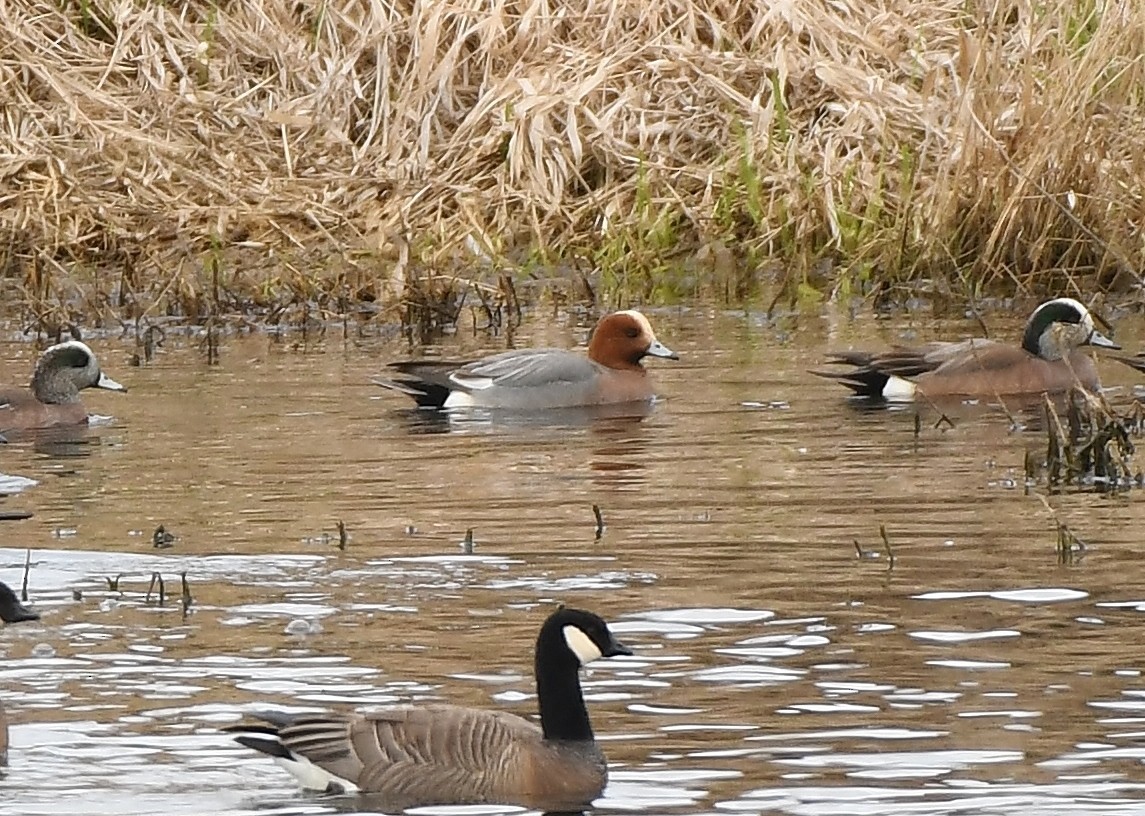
column 581, row 644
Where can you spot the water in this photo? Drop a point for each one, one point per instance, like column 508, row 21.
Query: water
column 775, row 670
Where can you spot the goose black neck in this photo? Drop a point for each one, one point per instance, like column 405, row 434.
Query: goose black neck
column 563, row 713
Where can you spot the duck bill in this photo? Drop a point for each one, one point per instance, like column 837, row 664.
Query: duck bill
column 658, row 349
column 1099, row 339
column 108, row 383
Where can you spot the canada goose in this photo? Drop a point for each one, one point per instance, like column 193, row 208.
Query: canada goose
column 1049, row 360
column 444, row 754
column 11, row 611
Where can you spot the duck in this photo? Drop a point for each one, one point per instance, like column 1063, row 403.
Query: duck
column 542, row 378
column 1136, row 361
column 11, row 611
column 417, row 755
column 53, row 400
column 1049, row 361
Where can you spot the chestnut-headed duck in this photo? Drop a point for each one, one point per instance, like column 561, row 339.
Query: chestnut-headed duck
column 11, row 611
column 533, row 379
column 53, row 400
column 1049, row 361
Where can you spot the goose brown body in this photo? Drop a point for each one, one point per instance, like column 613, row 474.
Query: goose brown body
column 445, row 754
column 430, row 754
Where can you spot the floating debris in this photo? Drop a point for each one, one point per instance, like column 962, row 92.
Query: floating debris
column 944, row 420
column 161, row 539
column 15, row 515
column 343, row 536
column 599, row 521
column 861, row 553
column 301, row 627
column 113, row 584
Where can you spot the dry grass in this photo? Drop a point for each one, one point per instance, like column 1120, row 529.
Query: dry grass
column 197, row 158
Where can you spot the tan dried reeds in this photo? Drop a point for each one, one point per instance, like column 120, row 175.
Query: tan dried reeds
column 199, row 158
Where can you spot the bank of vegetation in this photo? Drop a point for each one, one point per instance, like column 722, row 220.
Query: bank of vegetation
column 266, row 156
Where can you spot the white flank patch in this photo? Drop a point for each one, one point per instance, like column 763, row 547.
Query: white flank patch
column 581, row 644
column 899, row 390
column 310, row 776
column 458, row 399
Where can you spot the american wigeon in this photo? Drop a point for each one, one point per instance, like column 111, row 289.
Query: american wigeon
column 1049, row 360
column 53, row 399
column 449, row 755
column 1136, row 362
column 11, row 611
column 532, row 379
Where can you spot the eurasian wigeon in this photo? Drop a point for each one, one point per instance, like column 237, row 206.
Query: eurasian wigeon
column 11, row 611
column 532, row 379
column 53, row 399
column 1049, row 361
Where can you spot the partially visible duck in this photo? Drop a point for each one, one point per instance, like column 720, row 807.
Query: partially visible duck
column 53, row 399
column 1049, row 361
column 11, row 611
column 441, row 754
column 1136, row 362
column 533, row 379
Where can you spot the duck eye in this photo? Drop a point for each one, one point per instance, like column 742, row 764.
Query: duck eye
column 632, row 332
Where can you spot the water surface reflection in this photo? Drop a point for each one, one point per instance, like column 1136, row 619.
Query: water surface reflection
column 775, row 672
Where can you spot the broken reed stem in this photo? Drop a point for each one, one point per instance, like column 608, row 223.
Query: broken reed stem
column 887, row 547
column 201, row 159
column 599, row 521
column 27, row 569
column 1097, row 443
column 157, row 577
column 186, row 598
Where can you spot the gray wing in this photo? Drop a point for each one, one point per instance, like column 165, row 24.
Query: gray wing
column 442, row 754
column 1136, row 362
column 907, row 361
column 526, row 368
column 976, row 355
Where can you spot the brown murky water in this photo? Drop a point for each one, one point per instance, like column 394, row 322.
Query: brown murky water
column 775, row 672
